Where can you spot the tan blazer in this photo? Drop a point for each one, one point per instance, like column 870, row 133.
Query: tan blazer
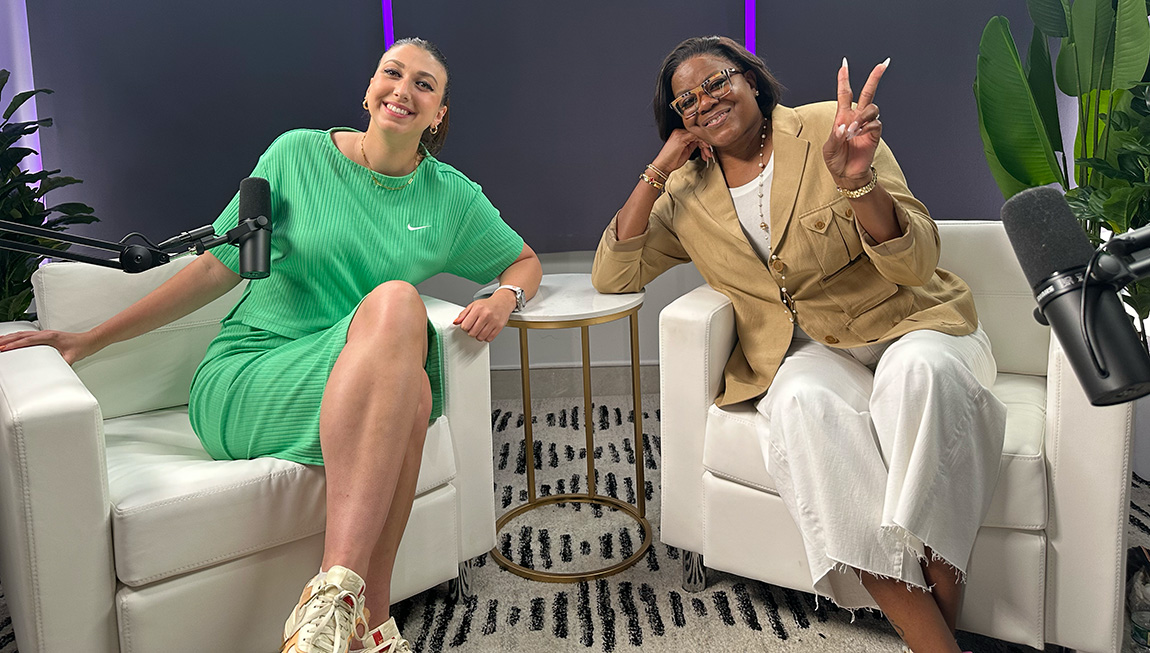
column 848, row 291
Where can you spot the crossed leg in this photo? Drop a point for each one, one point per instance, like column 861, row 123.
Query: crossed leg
column 373, row 421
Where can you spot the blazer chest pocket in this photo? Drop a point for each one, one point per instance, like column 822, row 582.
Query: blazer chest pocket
column 824, row 238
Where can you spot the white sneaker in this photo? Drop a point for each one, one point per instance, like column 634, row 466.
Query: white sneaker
column 385, row 639
column 328, row 614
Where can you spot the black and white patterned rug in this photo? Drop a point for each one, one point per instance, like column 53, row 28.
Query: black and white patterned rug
column 641, row 607
column 644, row 606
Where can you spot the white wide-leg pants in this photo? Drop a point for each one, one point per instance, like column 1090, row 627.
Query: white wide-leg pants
column 882, row 450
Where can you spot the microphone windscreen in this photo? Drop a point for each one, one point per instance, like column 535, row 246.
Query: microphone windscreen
column 255, row 198
column 1044, row 234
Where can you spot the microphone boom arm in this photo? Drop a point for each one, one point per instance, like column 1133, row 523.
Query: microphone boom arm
column 132, row 257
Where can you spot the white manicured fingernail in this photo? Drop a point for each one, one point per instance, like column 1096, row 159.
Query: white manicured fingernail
column 841, row 129
column 885, row 63
column 845, row 63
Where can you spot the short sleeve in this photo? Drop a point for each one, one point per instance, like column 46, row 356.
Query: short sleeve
column 229, row 219
column 484, row 245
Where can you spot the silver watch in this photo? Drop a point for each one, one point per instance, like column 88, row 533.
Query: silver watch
column 520, row 300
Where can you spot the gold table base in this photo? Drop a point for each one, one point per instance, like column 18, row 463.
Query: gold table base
column 637, row 512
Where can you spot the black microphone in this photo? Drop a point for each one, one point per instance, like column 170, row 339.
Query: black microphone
column 1101, row 344
column 255, row 246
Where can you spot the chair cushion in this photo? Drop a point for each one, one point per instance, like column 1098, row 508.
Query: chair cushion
column 731, row 451
column 78, row 296
column 174, row 509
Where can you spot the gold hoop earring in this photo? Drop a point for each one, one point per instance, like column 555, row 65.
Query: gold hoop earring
column 434, row 129
column 365, row 105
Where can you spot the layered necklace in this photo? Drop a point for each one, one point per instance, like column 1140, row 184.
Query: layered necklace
column 411, row 176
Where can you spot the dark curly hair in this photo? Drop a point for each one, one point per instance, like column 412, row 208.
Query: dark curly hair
column 432, row 143
column 720, row 46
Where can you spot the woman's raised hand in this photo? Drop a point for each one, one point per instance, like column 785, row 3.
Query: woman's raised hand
column 72, row 346
column 849, row 150
column 678, row 148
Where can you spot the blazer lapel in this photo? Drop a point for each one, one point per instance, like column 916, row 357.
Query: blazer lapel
column 790, row 154
column 713, row 194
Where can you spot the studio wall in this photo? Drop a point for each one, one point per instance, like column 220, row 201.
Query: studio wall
column 163, row 107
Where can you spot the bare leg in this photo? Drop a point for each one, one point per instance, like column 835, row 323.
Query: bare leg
column 373, row 402
column 947, row 590
column 383, row 556
column 913, row 613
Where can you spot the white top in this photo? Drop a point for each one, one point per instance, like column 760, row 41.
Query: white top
column 746, row 199
column 563, row 297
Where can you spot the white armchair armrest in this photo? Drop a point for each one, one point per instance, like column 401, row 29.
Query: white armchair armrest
column 467, row 393
column 49, row 421
column 696, row 336
column 1087, row 457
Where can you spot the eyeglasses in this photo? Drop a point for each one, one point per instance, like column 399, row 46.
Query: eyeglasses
column 717, row 86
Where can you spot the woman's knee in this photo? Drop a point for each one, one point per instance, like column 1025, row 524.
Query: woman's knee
column 391, row 309
column 917, row 363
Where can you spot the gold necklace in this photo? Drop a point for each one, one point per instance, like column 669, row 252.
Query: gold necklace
column 378, row 182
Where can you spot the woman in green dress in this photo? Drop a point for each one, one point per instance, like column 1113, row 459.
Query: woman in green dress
column 331, row 360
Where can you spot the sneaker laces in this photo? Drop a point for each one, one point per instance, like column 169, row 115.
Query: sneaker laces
column 334, row 624
column 396, row 644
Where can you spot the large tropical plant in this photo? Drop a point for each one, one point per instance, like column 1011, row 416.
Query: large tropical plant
column 1104, row 47
column 22, row 200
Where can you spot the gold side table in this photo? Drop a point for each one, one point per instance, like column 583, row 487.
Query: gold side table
column 568, row 301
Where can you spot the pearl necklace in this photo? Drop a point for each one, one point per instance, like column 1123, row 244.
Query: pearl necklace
column 762, row 166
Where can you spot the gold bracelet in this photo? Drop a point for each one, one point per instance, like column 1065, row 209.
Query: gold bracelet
column 653, row 182
column 662, row 175
column 859, row 192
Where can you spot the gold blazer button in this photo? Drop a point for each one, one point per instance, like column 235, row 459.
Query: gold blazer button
column 831, row 340
column 820, row 224
column 777, row 265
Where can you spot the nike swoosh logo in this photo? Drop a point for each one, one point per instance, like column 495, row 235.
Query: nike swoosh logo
column 411, row 228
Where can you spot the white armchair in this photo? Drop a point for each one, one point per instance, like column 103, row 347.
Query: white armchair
column 119, row 533
column 1048, row 563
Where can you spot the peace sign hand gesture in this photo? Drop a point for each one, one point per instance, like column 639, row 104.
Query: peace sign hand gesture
column 850, row 147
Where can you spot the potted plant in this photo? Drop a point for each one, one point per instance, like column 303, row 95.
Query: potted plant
column 22, row 201
column 1102, row 61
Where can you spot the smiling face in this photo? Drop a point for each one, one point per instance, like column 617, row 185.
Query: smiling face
column 725, row 121
column 406, row 93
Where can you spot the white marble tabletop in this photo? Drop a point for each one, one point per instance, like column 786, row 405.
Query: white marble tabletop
column 564, row 297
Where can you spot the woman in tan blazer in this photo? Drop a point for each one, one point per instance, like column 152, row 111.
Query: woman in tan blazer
column 865, row 360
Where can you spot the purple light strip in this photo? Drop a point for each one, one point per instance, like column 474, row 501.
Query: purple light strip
column 17, row 57
column 389, row 25
column 749, row 25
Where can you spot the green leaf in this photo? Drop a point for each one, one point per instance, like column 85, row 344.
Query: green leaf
column 1066, row 68
column 70, row 208
column 52, row 183
column 1009, row 186
column 65, row 220
column 1041, row 80
column 21, row 98
column 4, row 75
column 14, row 307
column 1093, row 24
column 1131, row 43
column 12, row 156
column 1049, row 16
column 1007, row 113
column 1120, row 207
column 1138, row 297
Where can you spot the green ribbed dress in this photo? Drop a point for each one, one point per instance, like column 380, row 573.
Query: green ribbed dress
column 336, row 235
